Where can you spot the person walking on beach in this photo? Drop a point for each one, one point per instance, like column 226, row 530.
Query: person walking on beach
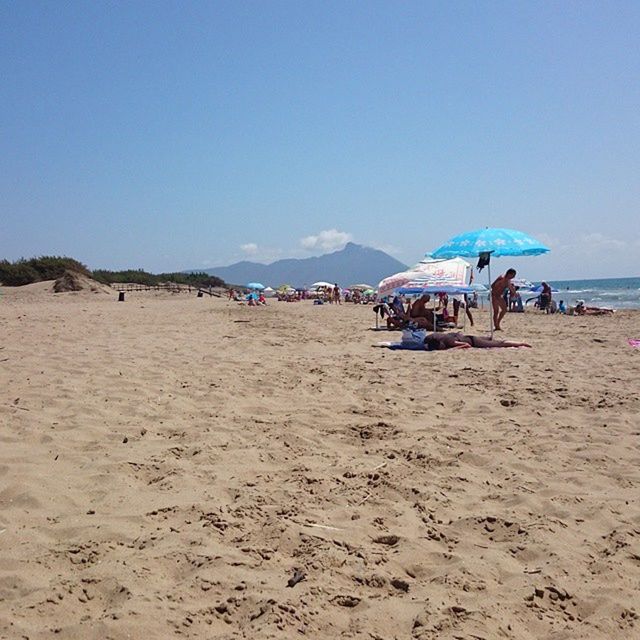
column 500, row 285
column 336, row 294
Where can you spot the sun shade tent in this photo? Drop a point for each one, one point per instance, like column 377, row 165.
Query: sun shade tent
column 430, row 276
column 440, row 281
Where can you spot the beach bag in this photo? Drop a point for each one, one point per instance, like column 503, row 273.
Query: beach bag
column 413, row 336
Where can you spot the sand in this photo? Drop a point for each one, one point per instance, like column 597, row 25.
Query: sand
column 168, row 463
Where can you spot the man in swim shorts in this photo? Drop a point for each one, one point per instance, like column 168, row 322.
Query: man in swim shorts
column 420, row 315
column 498, row 304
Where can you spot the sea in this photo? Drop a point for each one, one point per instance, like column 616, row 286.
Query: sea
column 612, row 293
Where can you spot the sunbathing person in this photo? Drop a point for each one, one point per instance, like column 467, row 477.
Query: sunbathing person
column 442, row 341
column 582, row 310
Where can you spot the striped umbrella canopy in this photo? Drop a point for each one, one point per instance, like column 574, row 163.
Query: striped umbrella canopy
column 456, row 270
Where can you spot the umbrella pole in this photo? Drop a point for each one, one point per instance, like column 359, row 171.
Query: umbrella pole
column 490, row 299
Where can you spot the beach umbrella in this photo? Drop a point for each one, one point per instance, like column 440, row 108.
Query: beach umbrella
column 496, row 242
column 487, row 242
column 360, row 287
column 456, row 270
column 538, row 289
column 255, row 285
column 521, row 283
column 321, row 285
column 428, row 283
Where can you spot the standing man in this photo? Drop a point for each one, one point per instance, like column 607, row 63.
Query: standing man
column 545, row 298
column 500, row 285
column 336, row 294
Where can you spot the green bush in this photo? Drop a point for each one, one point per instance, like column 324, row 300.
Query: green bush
column 36, row 269
column 17, row 274
column 143, row 277
column 52, row 267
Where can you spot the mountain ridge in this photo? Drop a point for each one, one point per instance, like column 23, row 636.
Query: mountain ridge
column 353, row 264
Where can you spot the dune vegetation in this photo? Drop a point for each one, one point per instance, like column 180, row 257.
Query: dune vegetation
column 42, row 268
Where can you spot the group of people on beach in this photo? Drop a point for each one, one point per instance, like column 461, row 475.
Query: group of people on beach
column 418, row 314
column 504, row 296
column 252, row 299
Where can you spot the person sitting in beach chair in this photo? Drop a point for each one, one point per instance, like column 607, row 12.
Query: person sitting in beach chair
column 420, row 315
column 398, row 317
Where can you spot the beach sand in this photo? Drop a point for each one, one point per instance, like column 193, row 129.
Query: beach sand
column 168, row 463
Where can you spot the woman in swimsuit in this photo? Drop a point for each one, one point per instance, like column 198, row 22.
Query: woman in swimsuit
column 442, row 341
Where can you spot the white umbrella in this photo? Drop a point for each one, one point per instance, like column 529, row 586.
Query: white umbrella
column 457, row 270
column 360, row 287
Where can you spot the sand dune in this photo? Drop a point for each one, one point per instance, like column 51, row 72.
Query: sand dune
column 167, row 464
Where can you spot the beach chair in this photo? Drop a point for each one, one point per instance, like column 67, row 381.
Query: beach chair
column 395, row 318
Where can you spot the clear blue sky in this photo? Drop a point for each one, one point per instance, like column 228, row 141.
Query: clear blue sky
column 173, row 135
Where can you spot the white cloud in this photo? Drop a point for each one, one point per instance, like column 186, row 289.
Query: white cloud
column 595, row 241
column 329, row 240
column 250, row 248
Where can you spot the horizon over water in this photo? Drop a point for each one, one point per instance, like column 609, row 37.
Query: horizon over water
column 613, row 293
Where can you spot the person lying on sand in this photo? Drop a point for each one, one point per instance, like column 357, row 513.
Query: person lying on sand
column 442, row 341
column 582, row 310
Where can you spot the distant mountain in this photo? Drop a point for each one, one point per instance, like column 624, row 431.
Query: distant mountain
column 354, row 264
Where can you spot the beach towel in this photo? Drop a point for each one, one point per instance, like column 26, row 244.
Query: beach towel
column 407, row 346
column 634, row 343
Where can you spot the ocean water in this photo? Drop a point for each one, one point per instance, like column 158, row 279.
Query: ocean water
column 613, row 293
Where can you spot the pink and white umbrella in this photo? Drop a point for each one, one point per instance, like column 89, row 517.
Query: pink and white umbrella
column 455, row 270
